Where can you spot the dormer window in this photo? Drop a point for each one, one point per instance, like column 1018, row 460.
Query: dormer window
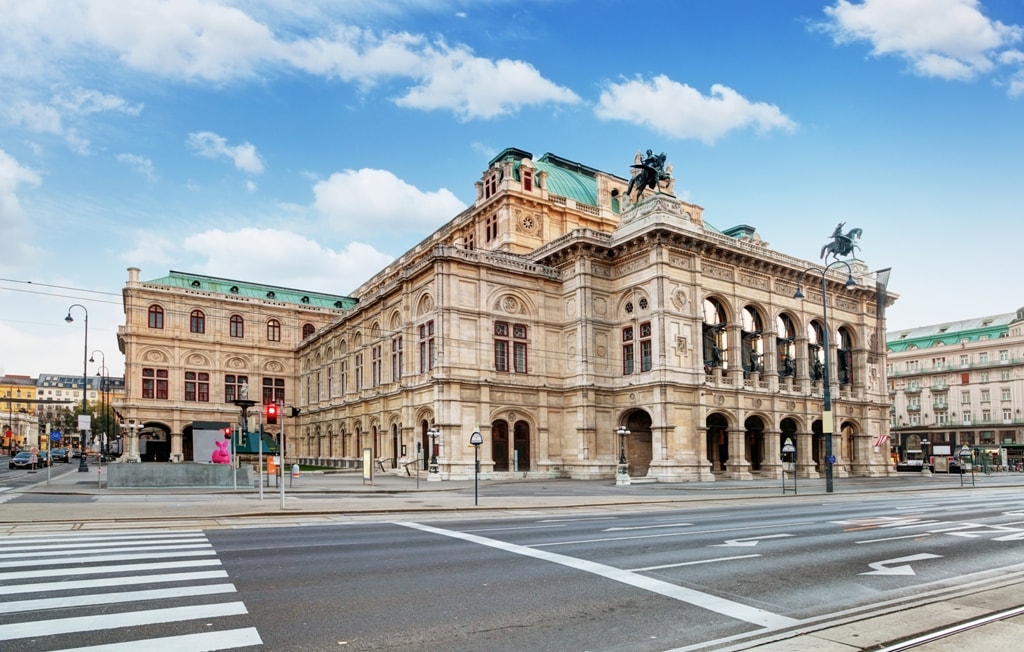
column 491, row 185
column 527, row 179
column 196, row 284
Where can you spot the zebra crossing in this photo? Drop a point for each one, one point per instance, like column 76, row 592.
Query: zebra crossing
column 4, row 497
column 118, row 591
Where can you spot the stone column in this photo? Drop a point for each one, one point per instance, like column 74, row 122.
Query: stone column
column 737, row 466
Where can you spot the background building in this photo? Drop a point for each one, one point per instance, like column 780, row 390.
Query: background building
column 959, row 384
column 194, row 343
column 555, row 314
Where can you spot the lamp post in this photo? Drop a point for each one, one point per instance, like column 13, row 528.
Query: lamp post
column 622, row 474
column 827, row 423
column 475, row 440
column 433, row 473
column 83, row 465
column 102, row 374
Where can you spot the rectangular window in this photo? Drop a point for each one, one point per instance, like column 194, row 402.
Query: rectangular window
column 527, row 179
column 330, row 380
column 628, row 352
column 273, row 391
column 986, row 396
column 359, row 372
column 233, row 387
column 965, row 378
column 1004, row 394
column 1004, row 356
column 1007, row 414
column 154, row 383
column 645, row 346
column 965, row 360
column 510, row 340
column 427, row 346
column 983, row 358
column 986, row 415
column 965, row 398
column 490, row 228
column 344, row 376
column 396, row 359
column 939, row 363
column 375, row 364
column 319, row 389
column 197, row 386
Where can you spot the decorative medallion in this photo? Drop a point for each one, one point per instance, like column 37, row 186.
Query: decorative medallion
column 510, row 304
column 512, row 416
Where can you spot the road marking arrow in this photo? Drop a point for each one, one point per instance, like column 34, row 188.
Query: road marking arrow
column 883, row 568
column 749, row 541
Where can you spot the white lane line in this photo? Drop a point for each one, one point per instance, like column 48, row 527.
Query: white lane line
column 690, row 563
column 518, row 527
column 671, row 534
column 645, row 527
column 98, row 546
column 76, row 554
column 226, row 640
column 102, row 559
column 578, row 520
column 105, row 570
column 119, row 620
column 703, row 600
column 114, row 598
column 906, row 536
column 101, row 582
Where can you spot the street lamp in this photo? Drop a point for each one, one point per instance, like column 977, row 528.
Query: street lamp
column 83, row 466
column 433, row 433
column 133, row 427
column 622, row 475
column 827, row 423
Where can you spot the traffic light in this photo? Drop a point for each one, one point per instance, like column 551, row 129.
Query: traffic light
column 227, row 433
column 295, row 412
column 272, row 414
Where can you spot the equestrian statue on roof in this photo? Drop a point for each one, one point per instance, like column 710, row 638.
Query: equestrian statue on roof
column 842, row 244
column 649, row 172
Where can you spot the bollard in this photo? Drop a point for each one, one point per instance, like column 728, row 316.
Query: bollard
column 295, row 470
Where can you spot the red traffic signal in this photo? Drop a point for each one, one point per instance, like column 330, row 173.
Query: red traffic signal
column 227, row 433
column 272, row 414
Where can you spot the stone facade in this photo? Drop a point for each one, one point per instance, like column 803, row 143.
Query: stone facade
column 555, row 312
column 191, row 342
column 959, row 384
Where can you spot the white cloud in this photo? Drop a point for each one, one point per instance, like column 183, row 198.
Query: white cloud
column 948, row 39
column 285, row 259
column 474, row 87
column 13, row 221
column 680, row 111
column 35, row 117
column 217, row 42
column 86, row 100
column 354, row 200
column 210, row 145
column 140, row 163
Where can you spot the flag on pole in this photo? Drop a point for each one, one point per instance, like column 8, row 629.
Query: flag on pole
column 882, row 438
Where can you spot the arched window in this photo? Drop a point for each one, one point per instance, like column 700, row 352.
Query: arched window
column 156, row 316
column 785, row 336
column 197, row 322
column 714, row 334
column 844, row 355
column 237, row 326
column 273, row 331
column 307, row 330
column 752, row 343
column 815, row 350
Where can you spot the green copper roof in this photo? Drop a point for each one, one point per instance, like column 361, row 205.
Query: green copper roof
column 950, row 333
column 569, row 179
column 251, row 290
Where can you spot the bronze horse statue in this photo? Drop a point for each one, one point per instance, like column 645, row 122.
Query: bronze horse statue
column 842, row 244
column 650, row 172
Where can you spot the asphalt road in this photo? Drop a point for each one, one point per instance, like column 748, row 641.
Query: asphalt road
column 650, row 578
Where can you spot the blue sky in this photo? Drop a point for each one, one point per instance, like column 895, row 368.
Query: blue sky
column 307, row 143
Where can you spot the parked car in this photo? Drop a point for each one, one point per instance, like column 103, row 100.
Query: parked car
column 60, row 455
column 76, row 453
column 23, row 460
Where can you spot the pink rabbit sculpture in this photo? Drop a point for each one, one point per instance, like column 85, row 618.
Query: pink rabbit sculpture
column 221, row 455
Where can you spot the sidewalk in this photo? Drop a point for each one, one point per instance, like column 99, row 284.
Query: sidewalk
column 73, row 497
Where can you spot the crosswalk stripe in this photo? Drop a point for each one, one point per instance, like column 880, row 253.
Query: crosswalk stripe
column 101, row 582
column 114, row 598
column 79, row 554
column 105, row 570
column 92, row 535
column 92, row 546
column 212, row 641
column 117, row 620
column 102, row 559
